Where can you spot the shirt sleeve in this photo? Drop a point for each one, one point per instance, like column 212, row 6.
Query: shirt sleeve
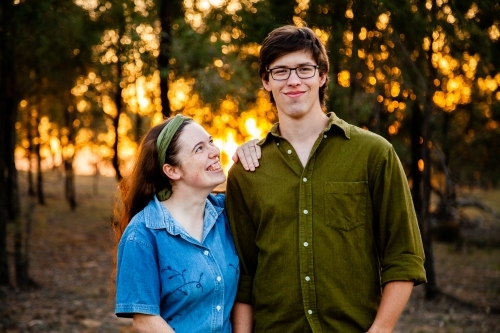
column 400, row 244
column 137, row 281
column 243, row 231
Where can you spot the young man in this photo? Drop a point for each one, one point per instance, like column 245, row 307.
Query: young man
column 325, row 226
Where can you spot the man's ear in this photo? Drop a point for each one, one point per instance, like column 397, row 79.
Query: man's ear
column 172, row 172
column 322, row 80
column 266, row 85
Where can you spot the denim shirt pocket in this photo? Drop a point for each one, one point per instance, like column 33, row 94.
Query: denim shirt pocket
column 345, row 204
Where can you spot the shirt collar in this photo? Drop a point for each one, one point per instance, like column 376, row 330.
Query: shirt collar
column 332, row 121
column 158, row 217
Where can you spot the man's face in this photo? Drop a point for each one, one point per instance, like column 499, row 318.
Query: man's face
column 295, row 97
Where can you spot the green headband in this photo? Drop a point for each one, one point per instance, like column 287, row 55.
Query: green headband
column 162, row 143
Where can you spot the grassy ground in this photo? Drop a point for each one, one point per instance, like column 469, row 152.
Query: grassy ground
column 71, row 261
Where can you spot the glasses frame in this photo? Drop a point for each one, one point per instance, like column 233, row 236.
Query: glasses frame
column 290, row 72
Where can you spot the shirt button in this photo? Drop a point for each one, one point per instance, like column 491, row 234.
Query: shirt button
column 278, row 144
column 308, row 278
column 306, row 211
column 310, row 311
column 219, row 278
column 324, row 136
column 289, row 151
column 218, row 307
column 205, row 252
column 306, row 244
column 304, row 179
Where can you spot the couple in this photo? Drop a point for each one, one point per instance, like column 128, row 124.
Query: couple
column 321, row 237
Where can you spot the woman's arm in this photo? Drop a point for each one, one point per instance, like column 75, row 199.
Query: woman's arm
column 242, row 318
column 151, row 324
column 248, row 154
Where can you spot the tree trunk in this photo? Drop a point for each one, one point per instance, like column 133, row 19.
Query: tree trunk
column 95, row 185
column 116, row 122
column 12, row 204
column 69, row 177
column 69, row 183
column 4, row 134
column 29, row 153
column 39, row 178
column 115, row 161
column 168, row 8
column 421, row 173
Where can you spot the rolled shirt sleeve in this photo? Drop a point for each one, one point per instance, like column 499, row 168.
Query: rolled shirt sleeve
column 401, row 249
column 243, row 231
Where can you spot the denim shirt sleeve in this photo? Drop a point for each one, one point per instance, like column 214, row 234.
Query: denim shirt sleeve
column 137, row 282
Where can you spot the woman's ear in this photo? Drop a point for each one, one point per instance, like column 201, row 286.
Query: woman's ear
column 172, row 172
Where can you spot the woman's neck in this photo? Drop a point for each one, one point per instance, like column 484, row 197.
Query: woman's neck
column 188, row 209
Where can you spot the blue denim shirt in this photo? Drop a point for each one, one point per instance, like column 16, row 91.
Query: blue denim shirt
column 164, row 271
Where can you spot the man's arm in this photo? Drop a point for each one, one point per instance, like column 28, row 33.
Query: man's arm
column 242, row 318
column 150, row 324
column 394, row 298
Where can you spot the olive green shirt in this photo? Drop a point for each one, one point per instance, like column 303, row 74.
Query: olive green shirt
column 317, row 243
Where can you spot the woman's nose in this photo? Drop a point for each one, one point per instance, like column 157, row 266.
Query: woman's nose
column 214, row 151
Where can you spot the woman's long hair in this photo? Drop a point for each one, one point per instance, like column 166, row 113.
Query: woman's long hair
column 146, row 179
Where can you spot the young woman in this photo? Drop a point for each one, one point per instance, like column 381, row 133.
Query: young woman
column 177, row 268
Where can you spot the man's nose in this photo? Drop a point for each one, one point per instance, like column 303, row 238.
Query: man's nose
column 293, row 78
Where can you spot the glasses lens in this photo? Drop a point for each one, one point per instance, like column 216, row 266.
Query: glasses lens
column 280, row 73
column 303, row 72
column 306, row 72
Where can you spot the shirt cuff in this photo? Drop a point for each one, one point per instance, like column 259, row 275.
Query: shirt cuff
column 127, row 310
column 244, row 294
column 403, row 268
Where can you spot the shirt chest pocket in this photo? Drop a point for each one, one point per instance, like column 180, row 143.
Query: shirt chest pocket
column 345, row 204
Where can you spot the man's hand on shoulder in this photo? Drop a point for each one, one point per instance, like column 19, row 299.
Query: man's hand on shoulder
column 248, row 154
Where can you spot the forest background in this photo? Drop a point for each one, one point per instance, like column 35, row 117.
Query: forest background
column 82, row 80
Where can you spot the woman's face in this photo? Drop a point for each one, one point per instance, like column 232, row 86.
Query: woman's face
column 199, row 159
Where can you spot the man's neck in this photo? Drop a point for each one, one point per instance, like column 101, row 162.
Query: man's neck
column 303, row 129
column 303, row 132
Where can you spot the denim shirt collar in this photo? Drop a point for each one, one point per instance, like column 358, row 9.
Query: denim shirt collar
column 158, row 217
column 333, row 121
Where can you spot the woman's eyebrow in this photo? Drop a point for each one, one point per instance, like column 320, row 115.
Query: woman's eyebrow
column 196, row 145
column 201, row 142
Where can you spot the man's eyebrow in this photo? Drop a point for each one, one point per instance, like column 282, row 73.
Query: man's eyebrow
column 308, row 63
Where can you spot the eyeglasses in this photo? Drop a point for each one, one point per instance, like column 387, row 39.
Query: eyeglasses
column 283, row 73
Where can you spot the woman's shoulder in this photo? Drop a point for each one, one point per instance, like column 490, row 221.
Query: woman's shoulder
column 138, row 228
column 217, row 199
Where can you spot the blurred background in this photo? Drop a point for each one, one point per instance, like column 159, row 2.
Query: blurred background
column 81, row 81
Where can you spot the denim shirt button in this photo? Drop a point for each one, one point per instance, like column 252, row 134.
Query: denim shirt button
column 205, row 252
column 219, row 278
column 218, row 307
